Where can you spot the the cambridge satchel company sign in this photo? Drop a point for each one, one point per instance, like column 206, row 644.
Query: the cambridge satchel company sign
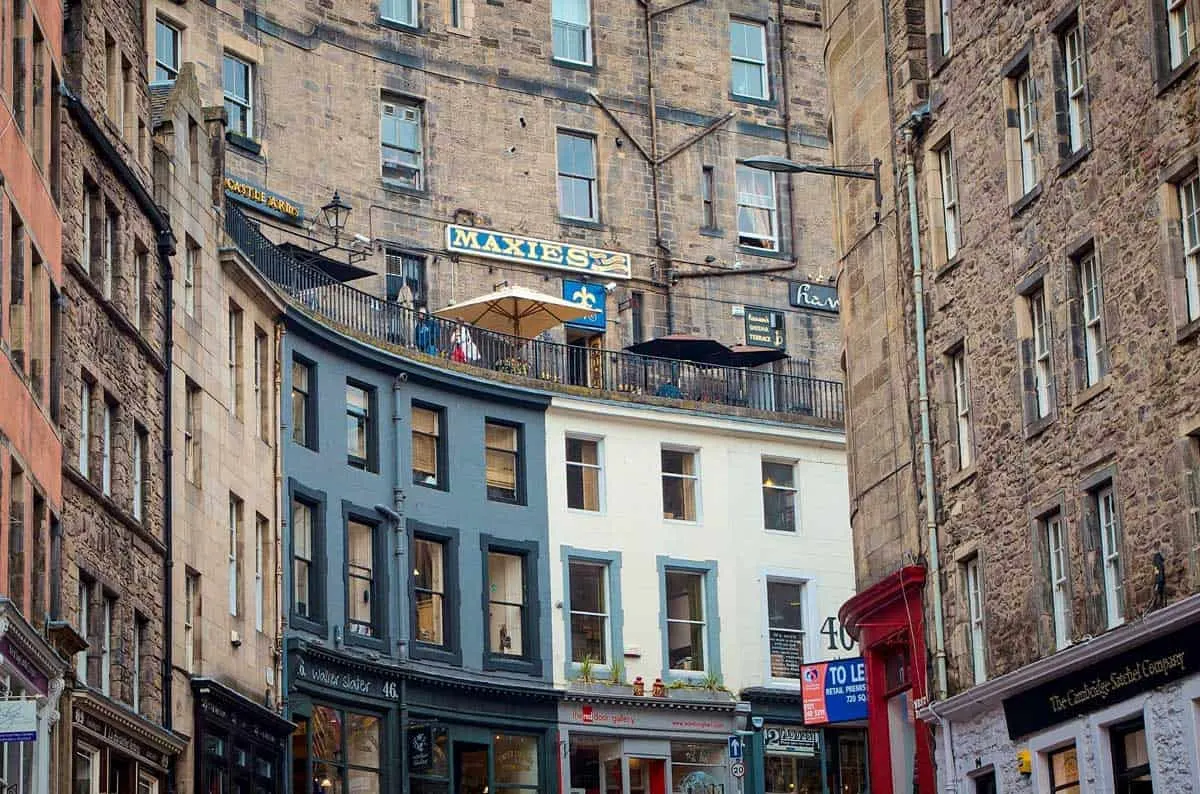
column 532, row 251
column 1158, row 661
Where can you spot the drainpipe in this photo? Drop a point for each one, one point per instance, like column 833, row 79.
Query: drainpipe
column 939, row 630
column 166, row 249
column 396, row 513
column 283, row 522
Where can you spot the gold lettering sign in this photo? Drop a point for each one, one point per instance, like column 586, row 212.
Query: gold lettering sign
column 259, row 196
column 543, row 253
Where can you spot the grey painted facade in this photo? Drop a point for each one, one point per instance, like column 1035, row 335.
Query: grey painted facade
column 470, row 703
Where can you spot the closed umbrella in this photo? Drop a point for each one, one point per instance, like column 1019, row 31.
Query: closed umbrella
column 515, row 310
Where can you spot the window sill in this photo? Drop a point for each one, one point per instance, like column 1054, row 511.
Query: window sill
column 511, row 664
column 582, row 223
column 375, row 643
column 433, row 486
column 1039, row 426
column 1092, row 392
column 1171, row 78
column 1187, row 332
column 950, row 266
column 938, row 61
column 434, row 653
column 790, row 533
column 583, row 511
column 403, row 27
column 1023, row 203
column 751, row 100
column 961, row 477
column 691, row 522
column 512, row 502
column 244, row 143
column 394, row 187
column 684, row 676
column 309, row 625
column 763, row 252
column 1071, row 161
column 573, row 66
column 711, row 232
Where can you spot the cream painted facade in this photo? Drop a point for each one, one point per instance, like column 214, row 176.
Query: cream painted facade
column 630, row 531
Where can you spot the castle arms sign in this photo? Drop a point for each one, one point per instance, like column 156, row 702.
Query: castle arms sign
column 489, row 244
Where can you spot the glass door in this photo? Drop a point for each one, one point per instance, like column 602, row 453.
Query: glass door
column 470, row 768
column 647, row 775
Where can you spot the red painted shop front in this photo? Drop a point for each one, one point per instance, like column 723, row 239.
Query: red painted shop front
column 887, row 620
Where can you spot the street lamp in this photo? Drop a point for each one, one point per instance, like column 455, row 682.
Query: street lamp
column 335, row 213
column 782, row 165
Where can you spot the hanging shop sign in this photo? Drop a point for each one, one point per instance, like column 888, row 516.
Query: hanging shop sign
column 420, row 748
column 1159, row 661
column 834, row 691
column 818, row 297
column 764, row 328
column 791, row 740
column 18, row 720
column 490, row 244
column 589, row 296
column 263, row 200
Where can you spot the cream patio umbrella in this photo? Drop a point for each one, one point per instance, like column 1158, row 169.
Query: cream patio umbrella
column 517, row 311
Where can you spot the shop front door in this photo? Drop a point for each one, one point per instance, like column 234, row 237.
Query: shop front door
column 470, row 768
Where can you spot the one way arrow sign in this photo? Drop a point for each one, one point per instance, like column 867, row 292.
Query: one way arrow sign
column 735, row 748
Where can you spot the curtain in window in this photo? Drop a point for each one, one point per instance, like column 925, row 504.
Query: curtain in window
column 756, row 202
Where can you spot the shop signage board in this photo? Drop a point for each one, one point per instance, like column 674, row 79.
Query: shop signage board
column 490, row 244
column 263, row 200
column 764, row 328
column 818, row 297
column 1115, row 678
column 834, row 691
column 18, row 720
column 350, row 681
column 589, row 296
column 420, row 748
column 675, row 720
column 791, row 740
column 26, row 666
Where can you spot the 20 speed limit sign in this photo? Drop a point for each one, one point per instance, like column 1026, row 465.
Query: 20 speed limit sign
column 737, row 769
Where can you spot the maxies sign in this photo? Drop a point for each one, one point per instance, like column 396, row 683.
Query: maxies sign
column 1158, row 661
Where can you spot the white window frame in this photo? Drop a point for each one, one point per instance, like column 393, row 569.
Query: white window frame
column 191, row 597
column 793, row 489
column 191, row 444
column 408, row 112
column 1108, row 523
column 139, row 480
column 85, row 426
column 592, row 179
column 1179, row 32
column 606, row 615
column 235, row 360
column 560, row 22
column 694, row 477
column 1042, row 371
column 804, row 586
column 106, row 440
column 1027, row 127
column 261, row 532
column 1091, row 294
column 171, row 69
column 973, row 574
column 110, row 255
column 189, row 279
column 1058, row 571
column 947, row 34
column 391, row 10
column 235, row 531
column 1075, row 81
column 93, row 760
column 246, row 103
column 949, row 199
column 106, row 646
column 139, row 277
column 702, row 622
column 85, row 606
column 1188, row 193
column 598, row 467
column 260, row 365
column 749, row 199
column 136, row 698
column 962, row 408
column 764, row 75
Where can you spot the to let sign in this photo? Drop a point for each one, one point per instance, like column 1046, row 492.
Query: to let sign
column 818, row 297
column 764, row 328
column 834, row 691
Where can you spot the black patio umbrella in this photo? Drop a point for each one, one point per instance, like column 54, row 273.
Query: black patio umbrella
column 681, row 347
column 748, row 356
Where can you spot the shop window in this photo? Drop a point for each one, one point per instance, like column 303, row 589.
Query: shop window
column 680, row 481
column 696, row 768
column 345, row 751
column 1063, row 766
column 583, row 474
column 686, row 627
column 362, row 586
column 789, row 774
column 503, row 461
column 1131, row 759
column 506, row 603
column 86, row 774
column 515, row 763
column 588, row 587
column 785, row 621
column 779, row 495
column 428, row 446
column 428, row 759
column 429, row 586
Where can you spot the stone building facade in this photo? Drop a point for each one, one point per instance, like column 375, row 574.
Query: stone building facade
column 489, row 110
column 112, row 562
column 225, row 646
column 1033, row 281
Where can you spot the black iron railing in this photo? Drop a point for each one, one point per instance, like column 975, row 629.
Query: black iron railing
column 548, row 362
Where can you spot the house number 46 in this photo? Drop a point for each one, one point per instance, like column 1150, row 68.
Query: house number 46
column 838, row 638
